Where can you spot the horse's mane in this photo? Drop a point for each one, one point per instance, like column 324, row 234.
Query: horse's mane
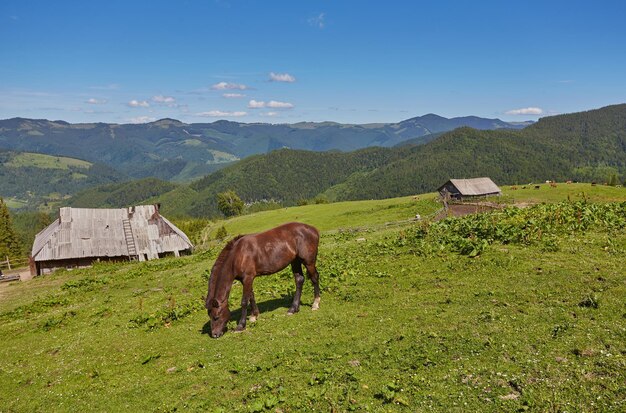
column 224, row 254
column 219, row 262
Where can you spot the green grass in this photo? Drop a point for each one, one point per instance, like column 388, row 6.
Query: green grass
column 334, row 216
column 15, row 203
column 562, row 191
column 518, row 328
column 38, row 160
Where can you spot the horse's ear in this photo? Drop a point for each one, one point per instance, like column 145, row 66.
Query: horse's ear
column 214, row 303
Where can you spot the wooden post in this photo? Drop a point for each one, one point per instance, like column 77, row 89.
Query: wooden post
column 8, row 263
column 32, row 266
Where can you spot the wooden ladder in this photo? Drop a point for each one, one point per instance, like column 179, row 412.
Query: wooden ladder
column 130, row 240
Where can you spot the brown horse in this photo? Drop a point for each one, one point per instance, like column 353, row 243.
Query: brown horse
column 247, row 256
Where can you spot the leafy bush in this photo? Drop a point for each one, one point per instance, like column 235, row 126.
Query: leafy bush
column 539, row 224
column 221, row 233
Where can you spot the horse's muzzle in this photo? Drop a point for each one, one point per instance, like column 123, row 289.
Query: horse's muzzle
column 218, row 334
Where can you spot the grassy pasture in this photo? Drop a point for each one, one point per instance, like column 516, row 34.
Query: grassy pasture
column 38, row 160
column 562, row 191
column 15, row 203
column 518, row 328
column 335, row 216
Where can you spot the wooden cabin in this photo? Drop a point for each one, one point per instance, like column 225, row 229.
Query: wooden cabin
column 81, row 236
column 465, row 189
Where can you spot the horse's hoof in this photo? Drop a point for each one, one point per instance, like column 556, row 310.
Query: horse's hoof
column 315, row 307
column 239, row 329
column 316, row 304
column 290, row 312
column 252, row 319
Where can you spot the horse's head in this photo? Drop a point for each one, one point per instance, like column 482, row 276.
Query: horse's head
column 219, row 314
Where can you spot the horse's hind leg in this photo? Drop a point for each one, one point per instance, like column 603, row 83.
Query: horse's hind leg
column 253, row 308
column 315, row 279
column 296, row 268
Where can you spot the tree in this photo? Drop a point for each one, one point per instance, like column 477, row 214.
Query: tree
column 229, row 203
column 9, row 241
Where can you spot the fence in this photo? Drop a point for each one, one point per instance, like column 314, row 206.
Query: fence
column 10, row 264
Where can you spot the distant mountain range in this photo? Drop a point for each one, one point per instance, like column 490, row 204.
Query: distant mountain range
column 585, row 146
column 171, row 150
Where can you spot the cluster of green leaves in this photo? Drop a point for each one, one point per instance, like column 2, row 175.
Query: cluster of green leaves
column 165, row 315
column 539, row 224
column 39, row 305
column 229, row 203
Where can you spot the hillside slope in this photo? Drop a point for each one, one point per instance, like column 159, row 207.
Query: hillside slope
column 33, row 178
column 580, row 146
column 287, row 176
column 406, row 322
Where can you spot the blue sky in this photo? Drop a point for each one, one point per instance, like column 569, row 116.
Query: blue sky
column 299, row 60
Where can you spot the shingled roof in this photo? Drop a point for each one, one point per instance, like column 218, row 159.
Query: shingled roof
column 93, row 233
column 473, row 186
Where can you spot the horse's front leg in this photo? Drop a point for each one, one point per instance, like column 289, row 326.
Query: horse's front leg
column 245, row 299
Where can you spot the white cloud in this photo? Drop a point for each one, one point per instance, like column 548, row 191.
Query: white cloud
column 256, row 104
column 221, row 114
column 259, row 104
column 168, row 100
column 525, row 111
column 228, row 86
column 279, row 105
column 271, row 114
column 94, row 101
column 233, row 95
column 138, row 104
column 281, row 77
column 318, row 21
column 142, row 119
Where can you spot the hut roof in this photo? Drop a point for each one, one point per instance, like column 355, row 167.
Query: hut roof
column 474, row 186
column 87, row 232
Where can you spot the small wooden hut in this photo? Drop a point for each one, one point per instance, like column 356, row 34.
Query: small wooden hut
column 81, row 236
column 464, row 189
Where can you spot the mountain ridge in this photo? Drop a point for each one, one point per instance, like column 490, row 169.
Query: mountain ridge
column 180, row 152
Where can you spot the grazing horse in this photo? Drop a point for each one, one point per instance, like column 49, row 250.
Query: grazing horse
column 247, row 256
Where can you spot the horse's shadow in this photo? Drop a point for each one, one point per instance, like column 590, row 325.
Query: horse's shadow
column 265, row 306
